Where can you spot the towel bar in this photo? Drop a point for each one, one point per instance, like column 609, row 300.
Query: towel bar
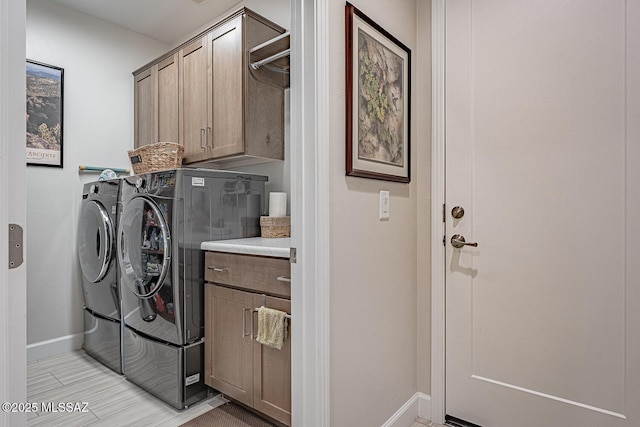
column 288, row 316
column 83, row 168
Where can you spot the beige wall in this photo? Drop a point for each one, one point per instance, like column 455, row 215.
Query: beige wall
column 379, row 269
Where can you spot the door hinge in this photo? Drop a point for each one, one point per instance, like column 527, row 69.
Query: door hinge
column 16, row 256
column 444, row 240
column 444, row 212
column 293, row 253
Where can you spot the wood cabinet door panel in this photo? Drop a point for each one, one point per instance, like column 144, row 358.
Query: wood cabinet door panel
column 228, row 344
column 226, row 59
column 193, row 100
column 145, row 106
column 168, row 100
column 272, row 369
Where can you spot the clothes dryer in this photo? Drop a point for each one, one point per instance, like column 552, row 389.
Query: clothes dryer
column 164, row 218
column 96, row 252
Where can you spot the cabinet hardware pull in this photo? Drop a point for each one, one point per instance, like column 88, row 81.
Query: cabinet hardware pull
column 216, row 269
column 251, row 317
column 244, row 322
column 206, row 137
column 283, row 279
column 202, row 137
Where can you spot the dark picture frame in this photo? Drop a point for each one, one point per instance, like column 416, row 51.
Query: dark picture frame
column 44, row 119
column 378, row 101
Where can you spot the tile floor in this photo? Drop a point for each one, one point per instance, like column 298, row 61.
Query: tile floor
column 112, row 400
column 424, row 423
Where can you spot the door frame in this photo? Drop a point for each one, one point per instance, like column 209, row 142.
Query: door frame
column 438, row 374
column 310, row 213
column 13, row 304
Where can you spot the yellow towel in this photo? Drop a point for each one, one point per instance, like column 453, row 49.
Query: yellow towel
column 272, row 327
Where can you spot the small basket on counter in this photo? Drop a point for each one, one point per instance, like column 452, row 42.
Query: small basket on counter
column 156, row 157
column 275, row 226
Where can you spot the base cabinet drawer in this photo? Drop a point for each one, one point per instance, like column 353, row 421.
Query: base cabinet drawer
column 235, row 363
column 255, row 273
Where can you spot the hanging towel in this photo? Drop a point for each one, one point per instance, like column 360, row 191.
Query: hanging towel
column 272, row 327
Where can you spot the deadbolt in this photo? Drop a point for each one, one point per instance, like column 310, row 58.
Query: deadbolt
column 457, row 212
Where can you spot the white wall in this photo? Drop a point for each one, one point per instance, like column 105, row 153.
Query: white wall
column 98, row 59
column 374, row 264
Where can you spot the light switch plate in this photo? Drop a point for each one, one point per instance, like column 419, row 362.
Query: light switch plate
column 384, row 204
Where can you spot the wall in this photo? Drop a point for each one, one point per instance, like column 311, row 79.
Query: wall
column 98, row 59
column 378, row 276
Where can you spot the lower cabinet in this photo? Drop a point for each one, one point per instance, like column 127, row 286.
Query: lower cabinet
column 235, row 363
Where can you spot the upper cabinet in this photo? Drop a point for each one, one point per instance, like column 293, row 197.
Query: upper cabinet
column 156, row 102
column 225, row 112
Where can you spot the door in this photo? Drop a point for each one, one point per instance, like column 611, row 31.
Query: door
column 226, row 96
column 96, row 246
column 144, row 253
column 193, row 100
column 272, row 367
column 145, row 107
column 228, row 342
column 168, row 100
column 13, row 297
column 542, row 153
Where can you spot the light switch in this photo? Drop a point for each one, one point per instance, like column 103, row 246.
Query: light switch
column 384, row 204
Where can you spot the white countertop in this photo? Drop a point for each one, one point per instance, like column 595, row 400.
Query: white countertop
column 278, row 247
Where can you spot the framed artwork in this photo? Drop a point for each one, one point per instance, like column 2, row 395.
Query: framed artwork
column 378, row 87
column 45, row 92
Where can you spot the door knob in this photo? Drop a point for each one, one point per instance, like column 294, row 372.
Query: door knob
column 457, row 241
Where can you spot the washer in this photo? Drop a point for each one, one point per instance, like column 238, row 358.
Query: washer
column 164, row 218
column 96, row 251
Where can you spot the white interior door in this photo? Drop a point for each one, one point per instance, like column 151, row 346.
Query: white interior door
column 13, row 305
column 543, row 154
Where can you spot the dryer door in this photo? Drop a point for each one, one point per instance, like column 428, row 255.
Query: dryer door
column 144, row 248
column 96, row 246
column 95, row 241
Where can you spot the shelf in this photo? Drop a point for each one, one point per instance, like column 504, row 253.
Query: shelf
column 269, row 62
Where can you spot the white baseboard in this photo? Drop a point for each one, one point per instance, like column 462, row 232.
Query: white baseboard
column 43, row 349
column 418, row 406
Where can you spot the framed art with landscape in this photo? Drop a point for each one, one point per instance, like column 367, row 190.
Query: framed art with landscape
column 45, row 92
column 378, row 87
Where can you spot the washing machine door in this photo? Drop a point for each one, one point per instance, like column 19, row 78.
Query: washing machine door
column 144, row 248
column 95, row 241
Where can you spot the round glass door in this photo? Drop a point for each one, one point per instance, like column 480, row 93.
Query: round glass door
column 95, row 241
column 143, row 247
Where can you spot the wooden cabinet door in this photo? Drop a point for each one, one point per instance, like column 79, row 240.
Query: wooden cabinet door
column 168, row 100
column 228, row 342
column 145, row 107
column 226, row 59
column 193, row 100
column 272, row 370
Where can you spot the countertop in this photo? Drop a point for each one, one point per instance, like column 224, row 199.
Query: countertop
column 278, row 247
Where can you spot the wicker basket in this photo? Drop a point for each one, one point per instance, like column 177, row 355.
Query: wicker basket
column 275, row 226
column 156, row 157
